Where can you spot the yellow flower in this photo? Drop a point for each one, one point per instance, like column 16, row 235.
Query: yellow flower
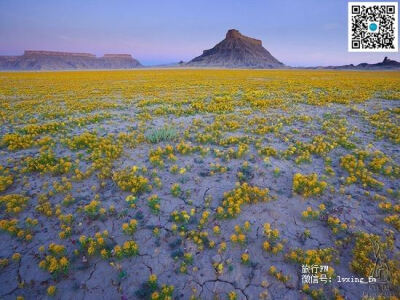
column 241, row 238
column 216, row 229
column 232, row 295
column 51, row 290
column 266, row 245
column 153, row 278
column 245, row 258
column 234, row 238
column 104, row 253
column 64, row 261
column 16, row 256
column 247, row 225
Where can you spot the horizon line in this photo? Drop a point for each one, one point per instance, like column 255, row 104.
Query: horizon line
column 164, row 63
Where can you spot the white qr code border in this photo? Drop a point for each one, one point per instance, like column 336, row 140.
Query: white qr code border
column 396, row 27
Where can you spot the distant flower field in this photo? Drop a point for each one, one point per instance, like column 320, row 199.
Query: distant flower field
column 194, row 184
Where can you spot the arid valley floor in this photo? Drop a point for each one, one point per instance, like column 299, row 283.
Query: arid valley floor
column 199, row 184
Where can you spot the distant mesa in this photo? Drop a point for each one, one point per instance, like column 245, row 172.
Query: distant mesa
column 34, row 53
column 237, row 51
column 55, row 60
column 386, row 64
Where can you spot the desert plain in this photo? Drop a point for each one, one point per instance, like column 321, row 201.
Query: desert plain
column 199, row 184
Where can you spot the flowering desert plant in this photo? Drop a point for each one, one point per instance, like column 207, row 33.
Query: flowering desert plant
column 129, row 228
column 308, row 185
column 154, row 203
column 55, row 262
column 242, row 194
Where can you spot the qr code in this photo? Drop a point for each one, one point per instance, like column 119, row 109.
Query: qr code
column 373, row 27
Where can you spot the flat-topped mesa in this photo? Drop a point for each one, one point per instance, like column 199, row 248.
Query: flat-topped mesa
column 118, row 56
column 235, row 34
column 57, row 60
column 236, row 51
column 56, row 53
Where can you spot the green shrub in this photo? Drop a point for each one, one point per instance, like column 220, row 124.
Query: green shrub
column 161, row 135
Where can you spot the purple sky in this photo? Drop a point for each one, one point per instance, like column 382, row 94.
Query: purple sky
column 298, row 33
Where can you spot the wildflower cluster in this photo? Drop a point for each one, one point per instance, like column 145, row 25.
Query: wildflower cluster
column 393, row 220
column 175, row 170
column 44, row 206
column 163, row 293
column 102, row 149
column 66, row 230
column 335, row 224
column 242, row 194
column 217, row 168
column 310, row 214
column 358, row 172
column 386, row 124
column 55, row 262
column 129, row 228
column 187, row 259
column 154, row 203
column 278, row 274
column 272, row 235
column 95, row 245
column 311, row 256
column 181, row 217
column 131, row 200
column 93, row 209
column 16, row 141
column 128, row 249
column 267, row 151
column 131, row 180
column 308, row 185
column 201, row 239
column 14, row 228
column 239, row 236
column 47, row 162
column 232, row 153
column 68, row 200
column 176, row 190
column 63, row 186
column 5, row 179
column 14, row 203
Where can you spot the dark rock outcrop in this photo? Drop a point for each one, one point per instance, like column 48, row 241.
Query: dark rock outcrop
column 237, row 51
column 54, row 60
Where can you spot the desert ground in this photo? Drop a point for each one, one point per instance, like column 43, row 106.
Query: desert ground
column 199, row 184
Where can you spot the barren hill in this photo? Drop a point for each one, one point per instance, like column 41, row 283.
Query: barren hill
column 237, row 51
column 54, row 60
